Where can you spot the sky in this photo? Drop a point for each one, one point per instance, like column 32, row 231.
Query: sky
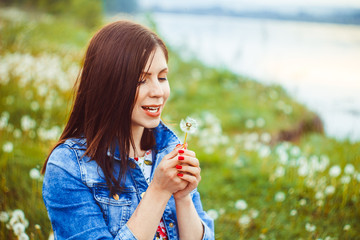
column 245, row 4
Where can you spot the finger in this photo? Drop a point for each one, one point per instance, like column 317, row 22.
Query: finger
column 174, row 152
column 191, row 179
column 195, row 171
column 187, row 152
column 188, row 160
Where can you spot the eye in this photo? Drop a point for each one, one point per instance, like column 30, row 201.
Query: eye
column 162, row 79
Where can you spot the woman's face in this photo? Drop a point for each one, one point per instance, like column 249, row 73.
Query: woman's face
column 152, row 92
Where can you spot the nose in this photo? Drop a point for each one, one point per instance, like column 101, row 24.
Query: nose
column 156, row 89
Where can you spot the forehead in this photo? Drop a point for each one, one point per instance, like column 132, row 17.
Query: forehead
column 157, row 61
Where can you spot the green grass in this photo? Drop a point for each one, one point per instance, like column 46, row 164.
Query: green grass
column 237, row 141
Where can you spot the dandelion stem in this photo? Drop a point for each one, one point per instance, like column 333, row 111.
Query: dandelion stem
column 185, row 138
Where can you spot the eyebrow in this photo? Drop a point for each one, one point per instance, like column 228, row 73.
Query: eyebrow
column 163, row 70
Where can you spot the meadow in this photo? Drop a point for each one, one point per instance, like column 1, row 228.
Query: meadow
column 268, row 170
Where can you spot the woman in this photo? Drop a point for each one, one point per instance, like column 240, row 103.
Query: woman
column 117, row 171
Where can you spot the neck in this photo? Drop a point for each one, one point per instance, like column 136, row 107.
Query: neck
column 137, row 133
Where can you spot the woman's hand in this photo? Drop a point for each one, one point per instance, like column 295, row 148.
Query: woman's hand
column 189, row 171
column 166, row 177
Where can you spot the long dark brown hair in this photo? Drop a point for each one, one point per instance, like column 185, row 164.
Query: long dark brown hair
column 105, row 95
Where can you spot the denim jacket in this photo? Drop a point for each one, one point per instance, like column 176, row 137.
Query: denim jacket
column 78, row 200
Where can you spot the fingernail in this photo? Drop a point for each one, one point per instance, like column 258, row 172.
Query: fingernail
column 181, row 157
column 181, row 151
column 178, row 167
column 180, row 174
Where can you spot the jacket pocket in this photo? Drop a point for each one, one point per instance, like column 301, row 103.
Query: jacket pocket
column 117, row 209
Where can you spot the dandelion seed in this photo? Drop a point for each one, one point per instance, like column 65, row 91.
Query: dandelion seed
column 293, row 212
column 4, row 216
column 213, row 214
column 279, row 196
column 244, row 221
column 8, row 147
column 347, row 227
column 349, row 169
column 34, row 173
column 310, row 227
column 329, row 190
column 241, row 204
column 335, row 171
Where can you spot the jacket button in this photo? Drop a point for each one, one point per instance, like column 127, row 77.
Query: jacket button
column 132, row 165
column 171, row 225
column 116, row 197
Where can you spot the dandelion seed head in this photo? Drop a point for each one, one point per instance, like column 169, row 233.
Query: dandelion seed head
column 280, row 196
column 329, row 190
column 8, row 147
column 293, row 212
column 35, row 173
column 349, row 169
column 244, row 221
column 302, row 202
column 335, row 171
column 253, row 213
column 4, row 216
column 188, row 125
column 310, row 227
column 345, row 179
column 241, row 204
column 213, row 214
column 347, row 227
column 23, row 236
column 18, row 228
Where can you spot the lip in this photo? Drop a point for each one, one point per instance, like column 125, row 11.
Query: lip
column 152, row 114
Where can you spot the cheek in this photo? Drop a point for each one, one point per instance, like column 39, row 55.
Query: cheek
column 166, row 90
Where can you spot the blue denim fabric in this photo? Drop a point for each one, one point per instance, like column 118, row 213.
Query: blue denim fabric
column 78, row 201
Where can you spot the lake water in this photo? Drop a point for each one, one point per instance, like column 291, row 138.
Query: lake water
column 318, row 63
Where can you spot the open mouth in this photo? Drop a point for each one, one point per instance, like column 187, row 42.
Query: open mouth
column 151, row 109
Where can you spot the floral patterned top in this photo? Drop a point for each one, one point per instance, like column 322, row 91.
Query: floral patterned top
column 145, row 164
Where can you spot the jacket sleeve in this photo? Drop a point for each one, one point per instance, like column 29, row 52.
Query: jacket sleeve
column 207, row 222
column 72, row 209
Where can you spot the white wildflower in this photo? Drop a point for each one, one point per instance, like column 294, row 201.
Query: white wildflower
column 293, row 212
column 335, row 171
column 4, row 216
column 249, row 124
column 188, row 125
column 310, row 227
column 329, row 190
column 279, row 171
column 345, row 179
column 260, row 122
column 35, row 173
column 319, row 195
column 280, row 196
column 244, row 221
column 302, row 202
column 349, row 169
column 253, row 213
column 27, row 123
column 8, row 147
column 241, row 204
column 18, row 228
column 213, row 214
column 347, row 227
column 23, row 236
